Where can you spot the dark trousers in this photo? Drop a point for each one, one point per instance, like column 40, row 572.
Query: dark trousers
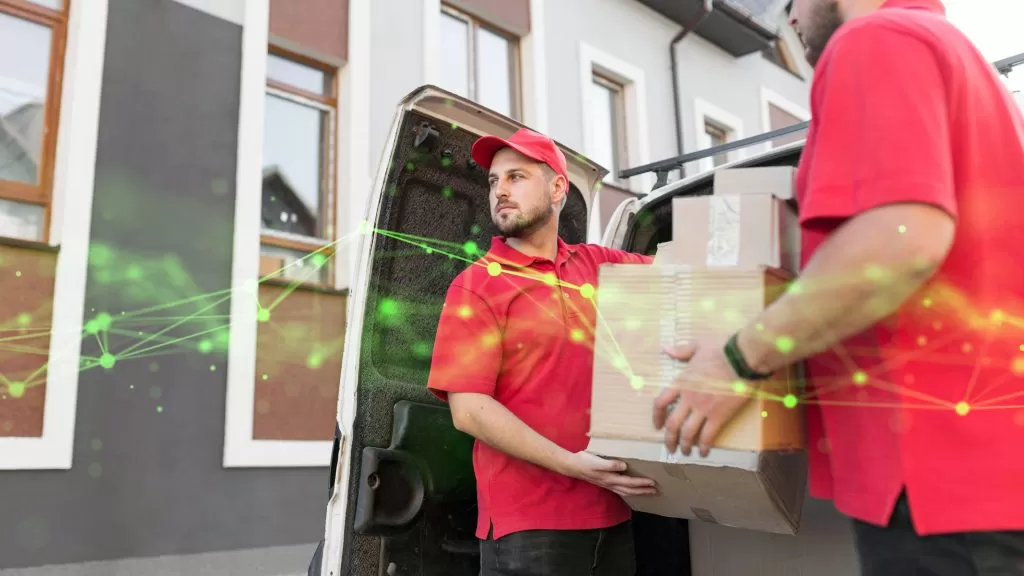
column 896, row 550
column 604, row 552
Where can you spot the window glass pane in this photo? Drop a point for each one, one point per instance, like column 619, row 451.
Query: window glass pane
column 494, row 78
column 20, row 220
column 295, row 265
column 717, row 137
column 292, row 167
column 298, row 75
column 24, row 68
column 602, row 125
column 454, row 72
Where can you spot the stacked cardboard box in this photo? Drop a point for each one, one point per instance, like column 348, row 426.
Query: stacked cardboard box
column 731, row 254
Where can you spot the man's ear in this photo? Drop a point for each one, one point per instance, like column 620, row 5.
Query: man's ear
column 561, row 188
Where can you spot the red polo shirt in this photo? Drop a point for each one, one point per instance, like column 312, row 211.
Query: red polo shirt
column 905, row 109
column 522, row 330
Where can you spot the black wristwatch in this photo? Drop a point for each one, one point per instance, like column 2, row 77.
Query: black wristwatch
column 739, row 364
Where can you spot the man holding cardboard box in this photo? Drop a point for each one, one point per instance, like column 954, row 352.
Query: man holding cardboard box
column 908, row 307
column 513, row 359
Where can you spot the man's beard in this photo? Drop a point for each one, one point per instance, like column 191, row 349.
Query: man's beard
column 524, row 223
column 823, row 23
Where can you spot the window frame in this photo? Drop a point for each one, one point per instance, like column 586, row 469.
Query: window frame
column 515, row 63
column 707, row 113
column 41, row 193
column 771, row 98
column 331, row 142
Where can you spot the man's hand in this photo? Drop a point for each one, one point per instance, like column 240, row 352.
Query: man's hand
column 608, row 474
column 704, row 396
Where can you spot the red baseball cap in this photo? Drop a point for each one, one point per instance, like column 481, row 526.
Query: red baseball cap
column 525, row 141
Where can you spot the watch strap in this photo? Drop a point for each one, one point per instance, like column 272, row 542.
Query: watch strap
column 739, row 363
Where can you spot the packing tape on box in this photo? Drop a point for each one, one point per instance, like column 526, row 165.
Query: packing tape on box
column 723, row 231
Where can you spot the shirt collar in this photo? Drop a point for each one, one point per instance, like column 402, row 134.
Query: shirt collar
column 501, row 252
column 930, row 5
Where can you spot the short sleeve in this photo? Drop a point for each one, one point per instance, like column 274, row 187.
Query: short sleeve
column 613, row 256
column 882, row 133
column 467, row 346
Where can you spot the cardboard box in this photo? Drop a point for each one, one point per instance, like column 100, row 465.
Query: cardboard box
column 778, row 181
column 735, row 230
column 755, row 475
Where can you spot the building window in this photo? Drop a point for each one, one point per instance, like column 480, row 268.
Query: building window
column 299, row 200
column 780, row 55
column 716, row 127
column 479, row 62
column 608, row 122
column 777, row 113
column 31, row 63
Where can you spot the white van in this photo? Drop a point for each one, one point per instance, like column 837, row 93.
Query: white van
column 402, row 494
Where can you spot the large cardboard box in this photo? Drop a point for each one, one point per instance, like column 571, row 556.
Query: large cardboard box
column 735, row 230
column 755, row 475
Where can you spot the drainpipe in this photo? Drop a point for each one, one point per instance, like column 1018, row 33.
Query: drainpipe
column 705, row 10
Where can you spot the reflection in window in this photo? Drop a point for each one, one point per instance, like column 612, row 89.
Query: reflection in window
column 479, row 63
column 23, row 84
column 607, row 121
column 298, row 180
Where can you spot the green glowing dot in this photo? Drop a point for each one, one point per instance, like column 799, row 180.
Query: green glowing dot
column 159, row 409
column 576, row 335
column 902, row 229
column 455, row 126
column 470, row 248
column 103, row 321
column 315, row 360
column 421, row 349
column 927, row 302
column 784, row 344
column 107, row 360
column 474, row 229
column 263, row 315
column 759, row 327
column 587, row 291
column 962, row 408
column 364, row 227
column 99, row 254
column 789, row 401
column 17, row 273
column 447, row 192
column 764, row 413
column 205, row 346
column 388, row 308
column 154, row 367
column 24, row 319
column 96, row 444
column 707, row 304
column 876, row 273
column 133, row 272
column 16, row 389
column 213, row 367
column 494, row 268
column 997, row 316
column 92, row 327
column 620, row 363
column 446, row 161
column 550, row 279
column 795, row 287
column 739, row 387
column 636, row 382
column 410, row 166
column 95, row 470
column 860, row 377
column 265, row 377
column 428, row 250
column 318, row 259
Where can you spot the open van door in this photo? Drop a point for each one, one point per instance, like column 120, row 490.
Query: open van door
column 403, row 496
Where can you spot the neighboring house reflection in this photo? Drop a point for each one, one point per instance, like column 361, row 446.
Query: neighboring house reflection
column 21, row 133
column 283, row 210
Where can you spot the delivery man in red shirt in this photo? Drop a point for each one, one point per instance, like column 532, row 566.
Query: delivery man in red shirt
column 910, row 305
column 514, row 358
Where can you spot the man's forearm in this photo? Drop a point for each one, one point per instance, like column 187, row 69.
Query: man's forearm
column 487, row 420
column 855, row 280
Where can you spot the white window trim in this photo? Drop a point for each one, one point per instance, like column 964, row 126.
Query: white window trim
column 72, row 214
column 704, row 110
column 634, row 92
column 770, row 97
column 532, row 68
